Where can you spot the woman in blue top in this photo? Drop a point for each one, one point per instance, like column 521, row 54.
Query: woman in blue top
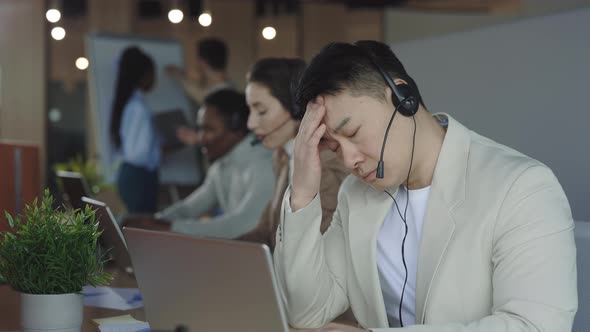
column 133, row 134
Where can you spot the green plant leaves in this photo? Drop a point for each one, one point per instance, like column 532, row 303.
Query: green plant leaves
column 9, row 218
column 88, row 169
column 51, row 251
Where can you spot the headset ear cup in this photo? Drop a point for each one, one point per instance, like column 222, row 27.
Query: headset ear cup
column 410, row 107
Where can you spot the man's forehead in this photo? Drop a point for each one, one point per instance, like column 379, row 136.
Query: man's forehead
column 335, row 120
column 336, row 110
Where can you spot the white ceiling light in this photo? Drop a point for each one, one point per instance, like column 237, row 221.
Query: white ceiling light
column 175, row 16
column 269, row 33
column 82, row 63
column 58, row 33
column 205, row 19
column 53, row 15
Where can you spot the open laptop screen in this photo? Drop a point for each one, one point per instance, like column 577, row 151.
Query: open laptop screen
column 112, row 236
column 205, row 284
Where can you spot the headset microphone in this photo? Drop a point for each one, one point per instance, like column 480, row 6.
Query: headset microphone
column 257, row 140
column 404, row 99
column 380, row 163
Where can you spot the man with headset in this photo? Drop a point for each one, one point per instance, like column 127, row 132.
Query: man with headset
column 235, row 183
column 437, row 229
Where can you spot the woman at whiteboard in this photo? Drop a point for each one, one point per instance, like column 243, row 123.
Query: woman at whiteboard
column 133, row 133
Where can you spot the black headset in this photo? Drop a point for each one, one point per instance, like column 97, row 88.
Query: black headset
column 405, row 100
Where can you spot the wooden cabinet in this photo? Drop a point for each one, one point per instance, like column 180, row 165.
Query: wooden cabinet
column 19, row 178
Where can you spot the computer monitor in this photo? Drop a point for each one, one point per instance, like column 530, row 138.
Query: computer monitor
column 205, row 284
column 74, row 188
column 112, row 237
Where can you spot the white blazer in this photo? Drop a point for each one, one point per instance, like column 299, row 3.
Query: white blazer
column 497, row 251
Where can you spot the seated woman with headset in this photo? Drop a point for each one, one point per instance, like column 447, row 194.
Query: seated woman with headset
column 275, row 121
column 235, row 183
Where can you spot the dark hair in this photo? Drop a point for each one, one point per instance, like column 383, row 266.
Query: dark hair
column 214, row 52
column 134, row 65
column 341, row 66
column 232, row 107
column 280, row 76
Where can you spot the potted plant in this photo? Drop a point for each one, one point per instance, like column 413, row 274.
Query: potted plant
column 48, row 255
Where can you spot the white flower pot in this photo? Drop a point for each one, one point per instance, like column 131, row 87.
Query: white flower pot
column 58, row 313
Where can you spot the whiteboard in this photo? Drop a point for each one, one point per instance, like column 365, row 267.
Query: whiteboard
column 522, row 83
column 104, row 50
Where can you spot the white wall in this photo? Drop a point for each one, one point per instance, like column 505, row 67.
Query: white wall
column 406, row 24
column 536, row 7
column 523, row 84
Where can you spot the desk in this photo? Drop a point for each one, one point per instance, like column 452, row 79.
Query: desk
column 10, row 305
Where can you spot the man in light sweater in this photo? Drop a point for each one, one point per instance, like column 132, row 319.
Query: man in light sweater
column 239, row 181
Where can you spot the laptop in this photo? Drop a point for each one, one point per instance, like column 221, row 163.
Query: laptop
column 205, row 284
column 74, row 187
column 112, row 237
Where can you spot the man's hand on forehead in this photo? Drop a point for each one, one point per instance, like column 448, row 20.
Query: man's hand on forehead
column 328, row 140
column 307, row 170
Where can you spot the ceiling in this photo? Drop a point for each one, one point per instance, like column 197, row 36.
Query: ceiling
column 155, row 8
column 425, row 5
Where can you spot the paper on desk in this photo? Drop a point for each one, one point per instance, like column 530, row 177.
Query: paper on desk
column 125, row 327
column 112, row 298
column 124, row 319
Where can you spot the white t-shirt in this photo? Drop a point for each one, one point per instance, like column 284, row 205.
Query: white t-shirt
column 289, row 147
column 389, row 255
